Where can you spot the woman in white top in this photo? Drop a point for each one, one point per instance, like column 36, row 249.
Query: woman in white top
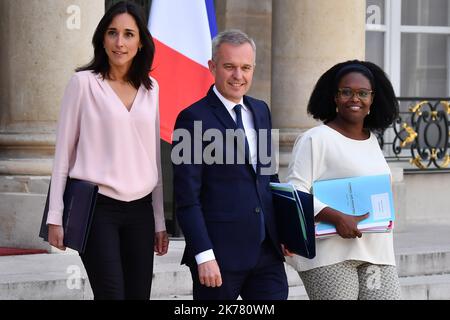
column 353, row 99
column 108, row 134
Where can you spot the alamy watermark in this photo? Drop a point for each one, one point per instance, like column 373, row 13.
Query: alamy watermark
column 73, row 281
column 373, row 14
column 374, row 277
column 73, row 22
column 214, row 146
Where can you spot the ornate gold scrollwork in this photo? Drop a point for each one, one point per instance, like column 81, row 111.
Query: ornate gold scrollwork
column 416, row 161
column 446, row 161
column 434, row 115
column 417, row 109
column 433, row 155
column 432, row 149
column 446, row 105
column 412, row 135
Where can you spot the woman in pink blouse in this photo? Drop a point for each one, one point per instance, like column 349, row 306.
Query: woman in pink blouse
column 108, row 134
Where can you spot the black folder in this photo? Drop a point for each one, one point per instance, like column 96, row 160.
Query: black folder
column 294, row 212
column 79, row 204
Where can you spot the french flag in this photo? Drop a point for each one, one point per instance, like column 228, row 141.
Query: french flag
column 182, row 31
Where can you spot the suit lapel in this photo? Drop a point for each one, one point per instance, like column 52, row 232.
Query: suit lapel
column 220, row 111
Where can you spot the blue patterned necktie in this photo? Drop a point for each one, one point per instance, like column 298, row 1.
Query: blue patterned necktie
column 240, row 125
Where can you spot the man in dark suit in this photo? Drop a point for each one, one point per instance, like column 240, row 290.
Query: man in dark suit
column 222, row 193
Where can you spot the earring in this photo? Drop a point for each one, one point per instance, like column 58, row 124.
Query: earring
column 368, row 112
column 337, row 110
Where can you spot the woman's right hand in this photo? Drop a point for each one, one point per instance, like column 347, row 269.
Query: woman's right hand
column 56, row 236
column 346, row 225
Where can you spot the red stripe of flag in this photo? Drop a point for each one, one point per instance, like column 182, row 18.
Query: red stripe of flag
column 181, row 80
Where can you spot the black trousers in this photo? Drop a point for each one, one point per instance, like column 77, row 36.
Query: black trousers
column 119, row 253
column 266, row 281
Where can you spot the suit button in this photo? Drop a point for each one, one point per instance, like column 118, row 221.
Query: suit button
column 257, row 209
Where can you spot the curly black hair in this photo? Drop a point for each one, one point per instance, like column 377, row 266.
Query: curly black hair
column 142, row 62
column 384, row 109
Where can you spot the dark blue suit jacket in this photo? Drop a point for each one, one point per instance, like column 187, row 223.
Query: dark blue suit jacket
column 218, row 205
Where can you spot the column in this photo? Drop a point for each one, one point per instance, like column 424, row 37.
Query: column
column 43, row 41
column 255, row 19
column 308, row 37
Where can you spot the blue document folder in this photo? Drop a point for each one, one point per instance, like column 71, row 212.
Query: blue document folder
column 357, row 196
column 295, row 219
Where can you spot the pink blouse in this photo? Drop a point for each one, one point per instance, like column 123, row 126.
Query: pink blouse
column 100, row 141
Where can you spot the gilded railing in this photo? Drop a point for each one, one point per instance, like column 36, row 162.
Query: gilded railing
column 420, row 135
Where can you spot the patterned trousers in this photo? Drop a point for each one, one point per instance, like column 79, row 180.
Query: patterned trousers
column 352, row 280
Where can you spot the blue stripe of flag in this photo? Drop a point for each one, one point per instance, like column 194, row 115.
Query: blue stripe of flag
column 211, row 17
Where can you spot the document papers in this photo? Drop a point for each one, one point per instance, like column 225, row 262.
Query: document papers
column 358, row 196
column 295, row 219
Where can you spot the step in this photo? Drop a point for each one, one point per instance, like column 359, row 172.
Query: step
column 53, row 283
column 432, row 287
column 423, row 257
column 173, row 280
column 295, row 293
column 423, row 250
column 426, row 263
column 418, row 252
column 47, row 276
column 170, row 277
column 435, row 287
column 19, row 223
column 24, row 184
column 43, row 277
column 26, row 167
column 53, row 276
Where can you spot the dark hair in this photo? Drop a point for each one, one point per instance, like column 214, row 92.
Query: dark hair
column 142, row 62
column 384, row 108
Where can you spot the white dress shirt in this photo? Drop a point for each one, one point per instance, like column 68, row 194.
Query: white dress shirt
column 247, row 121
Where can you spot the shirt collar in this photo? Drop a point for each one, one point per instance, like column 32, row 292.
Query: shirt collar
column 227, row 103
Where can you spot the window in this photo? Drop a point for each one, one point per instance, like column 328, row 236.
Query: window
column 410, row 39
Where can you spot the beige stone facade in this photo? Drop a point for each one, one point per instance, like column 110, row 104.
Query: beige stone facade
column 43, row 41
